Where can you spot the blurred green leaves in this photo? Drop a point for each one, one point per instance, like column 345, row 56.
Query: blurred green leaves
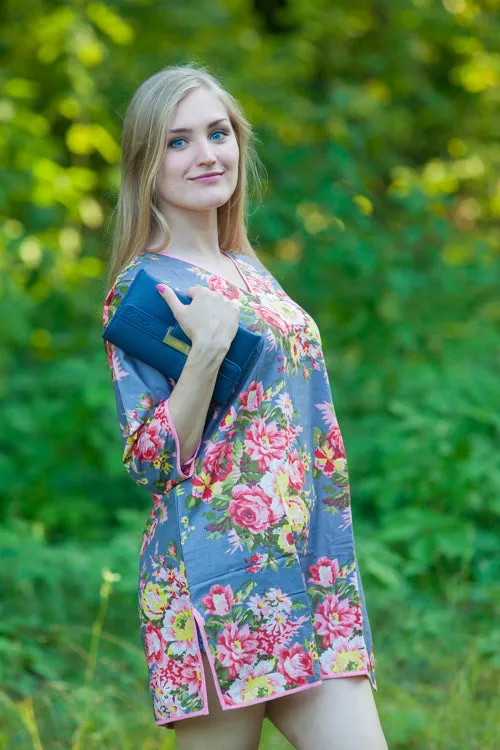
column 378, row 126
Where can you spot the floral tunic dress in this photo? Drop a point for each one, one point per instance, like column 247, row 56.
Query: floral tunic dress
column 248, row 553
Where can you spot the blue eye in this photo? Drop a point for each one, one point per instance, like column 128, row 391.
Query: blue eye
column 224, row 133
column 176, row 141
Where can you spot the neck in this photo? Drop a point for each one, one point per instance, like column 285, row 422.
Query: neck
column 193, row 233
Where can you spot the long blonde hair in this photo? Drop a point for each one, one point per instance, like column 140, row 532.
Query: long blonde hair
column 145, row 127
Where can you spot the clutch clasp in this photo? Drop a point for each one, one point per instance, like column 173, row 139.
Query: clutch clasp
column 175, row 343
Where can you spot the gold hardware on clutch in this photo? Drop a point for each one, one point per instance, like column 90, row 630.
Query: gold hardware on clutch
column 170, row 340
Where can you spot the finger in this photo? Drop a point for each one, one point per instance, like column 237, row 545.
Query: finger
column 170, row 298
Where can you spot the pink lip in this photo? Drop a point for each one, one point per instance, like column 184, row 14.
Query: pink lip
column 207, row 178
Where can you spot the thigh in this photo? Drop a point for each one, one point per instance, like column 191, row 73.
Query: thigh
column 339, row 714
column 220, row 730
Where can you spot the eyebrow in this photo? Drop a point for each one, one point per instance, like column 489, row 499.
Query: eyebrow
column 189, row 130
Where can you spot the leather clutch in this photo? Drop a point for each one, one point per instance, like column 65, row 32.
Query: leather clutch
column 144, row 326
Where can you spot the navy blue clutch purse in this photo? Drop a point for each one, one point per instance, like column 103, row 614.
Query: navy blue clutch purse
column 144, row 327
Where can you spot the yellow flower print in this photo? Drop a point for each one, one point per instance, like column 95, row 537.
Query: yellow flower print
column 154, row 600
column 340, row 464
column 297, row 513
column 258, row 687
column 349, row 661
column 281, row 483
column 285, row 539
column 182, row 626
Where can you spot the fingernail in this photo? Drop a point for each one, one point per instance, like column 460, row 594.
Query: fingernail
column 161, row 287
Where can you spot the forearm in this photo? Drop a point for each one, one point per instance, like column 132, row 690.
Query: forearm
column 191, row 397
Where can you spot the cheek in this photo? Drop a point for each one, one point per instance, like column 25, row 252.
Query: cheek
column 175, row 164
column 230, row 155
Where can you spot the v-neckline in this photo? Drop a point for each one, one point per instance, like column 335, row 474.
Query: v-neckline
column 246, row 289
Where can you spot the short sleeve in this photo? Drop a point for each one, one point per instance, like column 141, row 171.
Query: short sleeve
column 151, row 451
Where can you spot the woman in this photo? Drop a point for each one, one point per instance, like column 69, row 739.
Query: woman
column 250, row 597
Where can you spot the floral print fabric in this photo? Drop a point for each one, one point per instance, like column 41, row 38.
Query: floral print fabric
column 250, row 542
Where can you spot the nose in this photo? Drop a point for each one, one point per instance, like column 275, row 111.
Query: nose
column 204, row 153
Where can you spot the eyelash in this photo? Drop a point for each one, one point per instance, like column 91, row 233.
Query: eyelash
column 219, row 130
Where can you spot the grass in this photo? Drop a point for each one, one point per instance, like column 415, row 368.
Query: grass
column 109, row 705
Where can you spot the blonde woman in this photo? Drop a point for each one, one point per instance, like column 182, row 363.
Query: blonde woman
column 251, row 602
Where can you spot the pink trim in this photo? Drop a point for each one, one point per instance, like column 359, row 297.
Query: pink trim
column 201, row 624
column 237, row 266
column 209, row 270
column 224, row 707
column 186, row 471
column 169, row 723
column 359, row 673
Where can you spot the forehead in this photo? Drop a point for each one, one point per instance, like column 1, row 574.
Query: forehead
column 197, row 107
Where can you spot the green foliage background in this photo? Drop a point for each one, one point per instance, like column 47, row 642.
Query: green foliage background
column 378, row 125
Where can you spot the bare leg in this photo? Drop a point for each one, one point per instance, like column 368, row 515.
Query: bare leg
column 339, row 714
column 236, row 729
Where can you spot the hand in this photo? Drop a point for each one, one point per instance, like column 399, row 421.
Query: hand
column 210, row 320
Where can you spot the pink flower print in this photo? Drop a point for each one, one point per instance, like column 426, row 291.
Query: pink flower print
column 272, row 318
column 161, row 686
column 107, row 304
column 295, row 664
column 228, row 422
column 218, row 284
column 146, row 402
column 175, row 580
column 296, row 471
column 291, row 433
column 265, row 442
column 256, row 681
column 178, row 627
column 295, row 350
column 251, row 399
column 219, row 600
column 344, row 655
column 204, row 488
column 284, row 402
column 278, row 632
column 279, row 600
column 324, row 572
column 118, row 372
column 148, row 444
column 255, row 563
column 169, row 484
column 168, row 676
column 192, row 674
column 157, row 500
column 263, row 284
column 155, row 645
column 260, row 606
column 250, row 508
column 324, row 460
column 335, row 618
column 236, row 647
column 346, row 518
column 161, row 418
column 218, row 460
column 335, row 442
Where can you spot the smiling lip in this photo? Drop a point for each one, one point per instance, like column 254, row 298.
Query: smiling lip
column 207, row 177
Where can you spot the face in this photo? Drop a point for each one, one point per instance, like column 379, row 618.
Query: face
column 204, row 141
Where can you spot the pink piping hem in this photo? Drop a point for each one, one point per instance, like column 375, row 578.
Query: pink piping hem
column 200, row 265
column 168, row 723
column 201, row 625
column 187, row 471
column 359, row 673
